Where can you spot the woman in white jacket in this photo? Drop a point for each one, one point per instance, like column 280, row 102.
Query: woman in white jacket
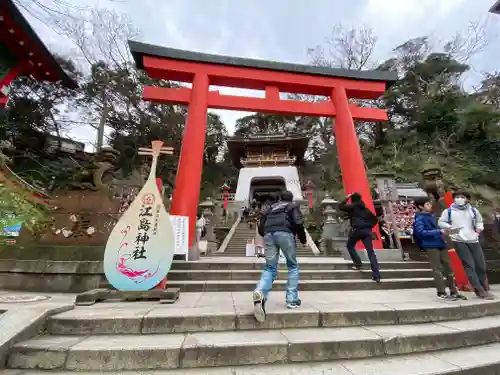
column 464, row 224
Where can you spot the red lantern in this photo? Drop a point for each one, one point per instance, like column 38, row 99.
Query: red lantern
column 309, row 192
column 225, row 194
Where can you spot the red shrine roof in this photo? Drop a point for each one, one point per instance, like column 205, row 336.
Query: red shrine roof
column 238, row 145
column 20, row 38
column 496, row 7
column 139, row 50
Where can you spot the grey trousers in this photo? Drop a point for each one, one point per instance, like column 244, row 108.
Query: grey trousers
column 440, row 263
column 472, row 257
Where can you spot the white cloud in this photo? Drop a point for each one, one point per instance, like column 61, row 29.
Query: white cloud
column 282, row 30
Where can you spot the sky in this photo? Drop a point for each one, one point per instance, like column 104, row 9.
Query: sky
column 283, row 30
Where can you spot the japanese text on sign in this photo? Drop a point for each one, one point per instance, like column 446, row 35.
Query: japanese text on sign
column 143, row 228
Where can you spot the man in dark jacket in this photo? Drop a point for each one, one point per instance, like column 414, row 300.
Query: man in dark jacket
column 429, row 237
column 278, row 226
column 362, row 222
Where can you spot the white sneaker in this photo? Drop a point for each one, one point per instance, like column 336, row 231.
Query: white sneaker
column 259, row 310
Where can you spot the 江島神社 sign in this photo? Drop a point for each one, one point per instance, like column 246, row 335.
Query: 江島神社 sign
column 141, row 246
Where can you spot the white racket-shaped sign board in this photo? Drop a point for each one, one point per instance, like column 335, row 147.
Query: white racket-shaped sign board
column 141, row 246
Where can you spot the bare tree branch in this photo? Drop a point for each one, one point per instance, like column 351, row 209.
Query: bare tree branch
column 347, row 48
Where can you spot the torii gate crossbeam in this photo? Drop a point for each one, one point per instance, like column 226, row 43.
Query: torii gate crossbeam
column 202, row 71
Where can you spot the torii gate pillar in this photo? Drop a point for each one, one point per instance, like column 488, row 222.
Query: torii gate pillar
column 189, row 170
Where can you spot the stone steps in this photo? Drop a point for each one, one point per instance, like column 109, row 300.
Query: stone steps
column 306, row 263
column 147, row 319
column 166, row 337
column 280, row 285
column 242, row 274
column 196, row 275
column 236, row 246
column 482, row 360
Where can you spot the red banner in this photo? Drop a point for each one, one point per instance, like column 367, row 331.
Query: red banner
column 310, row 198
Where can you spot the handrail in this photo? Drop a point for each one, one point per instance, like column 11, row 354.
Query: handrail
column 312, row 244
column 25, row 183
column 229, row 236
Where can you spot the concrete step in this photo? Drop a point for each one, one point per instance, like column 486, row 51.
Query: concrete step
column 232, row 253
column 241, row 252
column 306, row 263
column 482, row 359
column 325, row 284
column 304, row 274
column 137, row 319
column 236, row 348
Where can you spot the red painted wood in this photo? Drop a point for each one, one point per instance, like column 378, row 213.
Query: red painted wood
column 12, row 74
column 259, row 79
column 339, row 90
column 350, row 157
column 187, row 183
column 264, row 105
column 22, row 52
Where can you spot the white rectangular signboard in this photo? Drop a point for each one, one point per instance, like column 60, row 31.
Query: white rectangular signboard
column 181, row 234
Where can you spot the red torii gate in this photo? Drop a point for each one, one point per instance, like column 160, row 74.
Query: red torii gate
column 203, row 70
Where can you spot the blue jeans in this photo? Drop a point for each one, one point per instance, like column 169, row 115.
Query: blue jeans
column 273, row 242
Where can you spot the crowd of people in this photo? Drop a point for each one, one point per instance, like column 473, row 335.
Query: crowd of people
column 281, row 222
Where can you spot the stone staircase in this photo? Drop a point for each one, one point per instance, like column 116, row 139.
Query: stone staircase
column 342, row 333
column 223, row 274
column 242, row 234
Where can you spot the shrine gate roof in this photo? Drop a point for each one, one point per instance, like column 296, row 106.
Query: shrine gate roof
column 139, row 50
column 20, row 38
column 238, row 145
column 496, row 7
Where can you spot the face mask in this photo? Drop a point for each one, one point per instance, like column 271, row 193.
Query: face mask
column 460, row 201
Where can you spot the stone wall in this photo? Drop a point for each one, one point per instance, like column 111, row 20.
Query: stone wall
column 58, row 269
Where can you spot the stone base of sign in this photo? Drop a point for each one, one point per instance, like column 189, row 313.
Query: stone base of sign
column 193, row 253
column 91, row 297
column 383, row 255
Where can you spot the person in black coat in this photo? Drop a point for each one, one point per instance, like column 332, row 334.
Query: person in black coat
column 362, row 222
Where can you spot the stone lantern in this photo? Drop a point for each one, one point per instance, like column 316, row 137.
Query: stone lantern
column 332, row 238
column 208, row 209
column 432, row 180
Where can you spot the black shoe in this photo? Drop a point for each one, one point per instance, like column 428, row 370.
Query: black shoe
column 446, row 297
column 375, row 279
column 357, row 268
column 259, row 306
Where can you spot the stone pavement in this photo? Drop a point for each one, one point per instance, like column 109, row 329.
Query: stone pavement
column 23, row 315
column 217, row 329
